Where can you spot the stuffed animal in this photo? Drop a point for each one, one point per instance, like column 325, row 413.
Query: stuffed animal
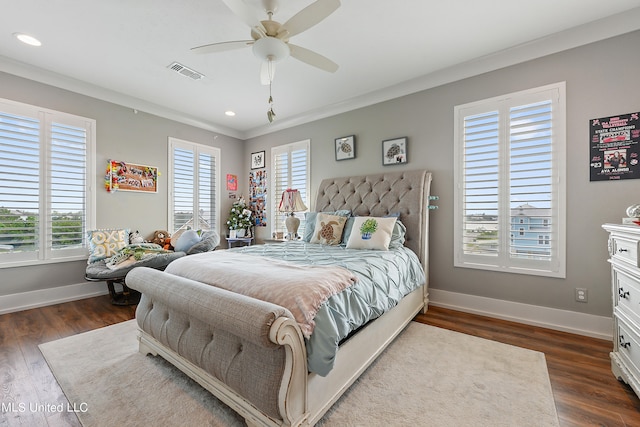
column 135, row 238
column 162, row 238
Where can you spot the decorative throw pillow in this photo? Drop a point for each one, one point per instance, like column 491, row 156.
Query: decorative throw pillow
column 328, row 229
column 310, row 222
column 186, row 240
column 370, row 232
column 106, row 243
column 208, row 242
column 397, row 236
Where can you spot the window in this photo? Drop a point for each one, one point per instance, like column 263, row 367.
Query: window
column 290, row 166
column 46, row 200
column 194, row 193
column 510, row 170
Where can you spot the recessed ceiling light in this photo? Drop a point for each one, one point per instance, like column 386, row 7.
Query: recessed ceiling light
column 230, row 113
column 27, row 39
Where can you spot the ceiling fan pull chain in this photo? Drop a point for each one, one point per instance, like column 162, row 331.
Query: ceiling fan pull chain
column 271, row 115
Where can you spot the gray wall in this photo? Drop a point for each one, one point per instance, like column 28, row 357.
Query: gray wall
column 601, row 80
column 123, row 135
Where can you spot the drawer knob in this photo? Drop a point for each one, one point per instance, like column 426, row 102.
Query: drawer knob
column 622, row 293
column 624, row 344
column 622, row 250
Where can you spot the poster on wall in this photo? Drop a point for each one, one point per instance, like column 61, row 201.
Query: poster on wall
column 232, row 182
column 122, row 176
column 258, row 196
column 615, row 148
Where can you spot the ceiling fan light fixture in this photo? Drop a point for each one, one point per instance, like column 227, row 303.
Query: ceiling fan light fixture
column 271, row 49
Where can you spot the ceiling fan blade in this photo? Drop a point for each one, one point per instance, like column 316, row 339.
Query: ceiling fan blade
column 308, row 17
column 245, row 13
column 267, row 72
column 312, row 58
column 222, row 46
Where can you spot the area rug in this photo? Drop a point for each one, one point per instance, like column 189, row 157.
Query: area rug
column 428, row 376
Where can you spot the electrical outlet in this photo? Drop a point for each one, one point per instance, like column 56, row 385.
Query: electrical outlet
column 581, row 295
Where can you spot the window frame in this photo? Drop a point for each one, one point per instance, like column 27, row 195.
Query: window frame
column 196, row 149
column 44, row 252
column 278, row 217
column 556, row 267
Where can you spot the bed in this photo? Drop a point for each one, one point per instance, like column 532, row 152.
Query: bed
column 253, row 354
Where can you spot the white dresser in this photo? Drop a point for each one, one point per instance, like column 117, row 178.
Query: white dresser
column 624, row 243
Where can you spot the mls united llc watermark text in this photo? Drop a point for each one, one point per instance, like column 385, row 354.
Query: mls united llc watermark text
column 23, row 407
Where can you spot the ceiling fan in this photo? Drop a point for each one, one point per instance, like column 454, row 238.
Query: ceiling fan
column 270, row 39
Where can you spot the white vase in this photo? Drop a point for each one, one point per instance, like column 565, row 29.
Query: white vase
column 240, row 232
column 233, row 234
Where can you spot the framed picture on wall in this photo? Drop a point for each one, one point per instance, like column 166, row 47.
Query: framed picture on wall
column 257, row 160
column 394, row 151
column 123, row 176
column 346, row 147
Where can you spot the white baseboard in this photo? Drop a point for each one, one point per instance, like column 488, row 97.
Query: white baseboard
column 552, row 318
column 34, row 299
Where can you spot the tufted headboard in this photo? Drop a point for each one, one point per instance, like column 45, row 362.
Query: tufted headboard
column 383, row 194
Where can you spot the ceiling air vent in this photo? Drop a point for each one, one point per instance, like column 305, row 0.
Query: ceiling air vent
column 185, row 71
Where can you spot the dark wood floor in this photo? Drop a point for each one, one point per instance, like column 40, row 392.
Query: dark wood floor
column 585, row 391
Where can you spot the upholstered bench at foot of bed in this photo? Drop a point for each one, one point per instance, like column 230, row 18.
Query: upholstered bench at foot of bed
column 99, row 272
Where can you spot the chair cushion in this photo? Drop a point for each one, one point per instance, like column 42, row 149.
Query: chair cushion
column 99, row 270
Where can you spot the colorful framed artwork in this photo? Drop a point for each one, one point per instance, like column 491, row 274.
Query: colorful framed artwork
column 394, row 151
column 232, row 182
column 345, row 147
column 258, row 197
column 122, row 176
column 257, row 160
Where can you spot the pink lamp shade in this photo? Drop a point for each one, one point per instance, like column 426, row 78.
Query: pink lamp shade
column 291, row 202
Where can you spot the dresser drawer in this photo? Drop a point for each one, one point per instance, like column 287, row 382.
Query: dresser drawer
column 625, row 250
column 626, row 292
column 628, row 346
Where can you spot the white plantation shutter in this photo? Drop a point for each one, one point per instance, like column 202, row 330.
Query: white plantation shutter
column 182, row 181
column 46, row 201
column 68, row 179
column 290, row 166
column 510, row 166
column 207, row 189
column 194, row 186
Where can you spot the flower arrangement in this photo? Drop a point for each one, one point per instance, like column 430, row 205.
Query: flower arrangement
column 239, row 216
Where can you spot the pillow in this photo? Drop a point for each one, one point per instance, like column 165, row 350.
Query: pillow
column 310, row 221
column 370, row 232
column 397, row 236
column 328, row 229
column 186, row 240
column 106, row 243
column 348, row 226
column 208, row 242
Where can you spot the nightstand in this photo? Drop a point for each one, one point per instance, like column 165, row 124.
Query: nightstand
column 245, row 240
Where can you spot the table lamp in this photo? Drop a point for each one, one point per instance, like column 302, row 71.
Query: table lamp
column 292, row 202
